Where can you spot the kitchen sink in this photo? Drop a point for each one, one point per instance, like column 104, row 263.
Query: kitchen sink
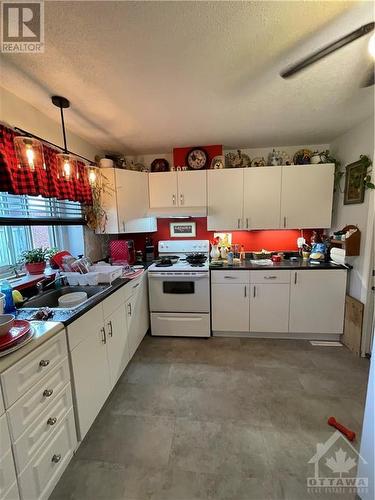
column 50, row 298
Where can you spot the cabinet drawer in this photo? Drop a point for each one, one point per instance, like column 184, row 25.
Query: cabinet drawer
column 4, row 436
column 32, row 368
column 187, row 325
column 41, row 475
column 270, row 276
column 42, row 429
column 12, row 493
column 7, row 472
column 85, row 326
column 230, row 276
column 29, row 407
column 132, row 287
column 113, row 302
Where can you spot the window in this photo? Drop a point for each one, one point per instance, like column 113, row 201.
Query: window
column 32, row 221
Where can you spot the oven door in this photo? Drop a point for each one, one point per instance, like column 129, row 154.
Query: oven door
column 179, row 292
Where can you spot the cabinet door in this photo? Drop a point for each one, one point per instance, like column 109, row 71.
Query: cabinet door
column 262, row 193
column 109, row 202
column 91, row 378
column 317, row 301
column 143, row 225
column 225, row 199
column 269, row 308
column 163, row 189
column 306, row 196
column 117, row 343
column 230, row 307
column 132, row 196
column 138, row 318
column 192, row 189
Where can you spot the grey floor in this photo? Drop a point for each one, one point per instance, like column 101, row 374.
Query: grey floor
column 218, row 419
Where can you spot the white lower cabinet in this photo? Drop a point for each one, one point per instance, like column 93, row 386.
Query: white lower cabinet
column 317, row 301
column 90, row 372
column 38, row 479
column 108, row 335
column 117, row 343
column 230, row 307
column 269, row 308
column 39, row 425
column 280, row 303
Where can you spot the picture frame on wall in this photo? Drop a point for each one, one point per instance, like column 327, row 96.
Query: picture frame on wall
column 182, row 229
column 354, row 183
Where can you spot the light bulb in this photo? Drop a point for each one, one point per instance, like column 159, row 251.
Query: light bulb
column 66, row 169
column 371, row 46
column 92, row 177
column 30, row 157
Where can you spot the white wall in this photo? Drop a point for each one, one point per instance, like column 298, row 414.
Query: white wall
column 16, row 112
column 347, row 148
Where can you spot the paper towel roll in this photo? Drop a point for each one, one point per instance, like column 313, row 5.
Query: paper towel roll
column 338, row 255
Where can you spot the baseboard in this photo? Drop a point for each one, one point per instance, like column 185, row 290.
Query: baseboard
column 285, row 336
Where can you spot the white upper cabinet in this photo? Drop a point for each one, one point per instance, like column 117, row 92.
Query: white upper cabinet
column 225, row 199
column 163, row 189
column 262, row 193
column 132, row 195
column 178, row 189
column 306, row 196
column 125, row 201
column 192, row 188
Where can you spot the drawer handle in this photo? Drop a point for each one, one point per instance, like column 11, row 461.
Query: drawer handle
column 56, row 459
column 269, row 277
column 51, row 421
column 47, row 393
column 44, row 362
column 109, row 324
column 129, row 309
column 230, row 277
column 135, row 286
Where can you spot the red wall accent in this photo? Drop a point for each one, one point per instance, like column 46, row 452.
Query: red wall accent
column 179, row 154
column 275, row 240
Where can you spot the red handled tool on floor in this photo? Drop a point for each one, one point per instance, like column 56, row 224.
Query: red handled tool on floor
column 348, row 433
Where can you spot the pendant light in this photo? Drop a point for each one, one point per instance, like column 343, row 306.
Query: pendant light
column 29, row 153
column 93, row 175
column 67, row 167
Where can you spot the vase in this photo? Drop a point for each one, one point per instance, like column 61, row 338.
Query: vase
column 35, row 267
column 215, row 254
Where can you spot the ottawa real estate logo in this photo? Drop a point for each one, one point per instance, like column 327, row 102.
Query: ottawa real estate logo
column 336, row 464
column 22, row 27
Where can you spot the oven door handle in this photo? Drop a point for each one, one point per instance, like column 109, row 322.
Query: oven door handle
column 178, row 277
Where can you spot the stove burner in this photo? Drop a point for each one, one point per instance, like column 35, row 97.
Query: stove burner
column 196, row 259
column 165, row 262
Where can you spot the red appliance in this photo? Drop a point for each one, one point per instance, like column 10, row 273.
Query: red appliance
column 122, row 250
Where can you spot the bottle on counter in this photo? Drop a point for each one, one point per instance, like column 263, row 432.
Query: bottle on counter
column 242, row 253
column 6, row 289
column 230, row 257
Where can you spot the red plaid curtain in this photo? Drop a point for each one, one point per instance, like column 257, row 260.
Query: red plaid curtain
column 43, row 181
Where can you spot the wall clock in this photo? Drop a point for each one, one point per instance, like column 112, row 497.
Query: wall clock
column 197, row 158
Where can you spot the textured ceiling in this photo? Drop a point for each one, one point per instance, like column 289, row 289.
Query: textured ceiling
column 148, row 76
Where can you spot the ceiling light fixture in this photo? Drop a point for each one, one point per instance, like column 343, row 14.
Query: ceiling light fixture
column 29, row 153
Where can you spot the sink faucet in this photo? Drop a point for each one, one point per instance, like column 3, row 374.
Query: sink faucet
column 40, row 287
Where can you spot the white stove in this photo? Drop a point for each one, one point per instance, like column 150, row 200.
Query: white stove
column 179, row 290
column 176, row 252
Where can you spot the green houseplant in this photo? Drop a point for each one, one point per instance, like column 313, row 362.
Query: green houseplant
column 35, row 259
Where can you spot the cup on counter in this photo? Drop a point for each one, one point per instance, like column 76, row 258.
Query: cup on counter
column 305, row 255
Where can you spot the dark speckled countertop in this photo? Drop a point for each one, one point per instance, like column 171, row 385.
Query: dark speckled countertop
column 67, row 316
column 285, row 264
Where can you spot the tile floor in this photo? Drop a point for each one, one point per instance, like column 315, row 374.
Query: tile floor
column 217, row 419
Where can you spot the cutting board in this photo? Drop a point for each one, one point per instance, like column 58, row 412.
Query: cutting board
column 353, row 324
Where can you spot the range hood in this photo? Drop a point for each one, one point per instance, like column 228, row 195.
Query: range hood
column 170, row 212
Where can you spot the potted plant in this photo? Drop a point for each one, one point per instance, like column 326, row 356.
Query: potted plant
column 35, row 260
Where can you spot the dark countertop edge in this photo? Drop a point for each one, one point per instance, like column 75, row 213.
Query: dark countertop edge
column 285, row 265
column 80, row 311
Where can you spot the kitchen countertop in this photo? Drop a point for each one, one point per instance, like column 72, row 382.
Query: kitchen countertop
column 44, row 330
column 67, row 316
column 285, row 264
